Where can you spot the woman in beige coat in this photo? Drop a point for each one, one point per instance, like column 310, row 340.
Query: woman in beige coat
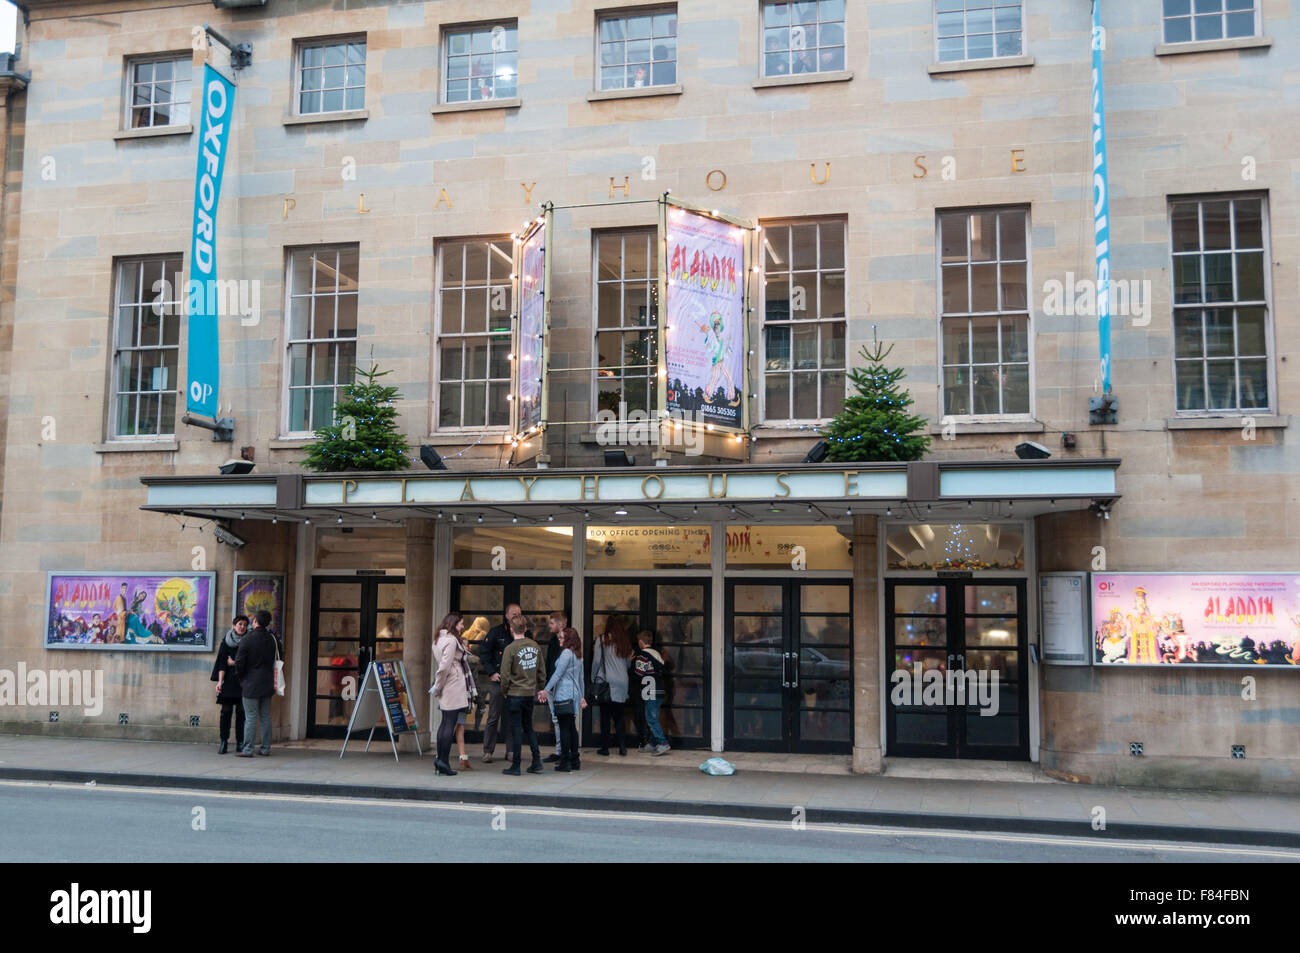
column 453, row 687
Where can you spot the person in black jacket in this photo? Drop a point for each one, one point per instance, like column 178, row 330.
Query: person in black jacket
column 229, row 694
column 255, row 665
column 489, row 653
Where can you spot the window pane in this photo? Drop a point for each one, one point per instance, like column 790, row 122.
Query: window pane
column 1250, row 276
column 984, row 340
column 1241, row 24
column 953, row 237
column 777, row 396
column 805, row 347
column 832, row 394
column 983, row 236
column 1219, row 339
column 452, row 367
column 1222, row 377
column 777, row 348
column 955, row 297
column 984, row 288
column 1249, row 223
column 1014, row 287
column 805, row 396
column 956, row 341
column 1215, row 216
column 1008, row 44
column 1187, row 334
column 1187, row 279
column 1015, row 339
column 612, row 28
column 1218, row 277
column 1015, row 395
column 1190, row 385
column 956, row 391
column 805, row 246
column 1173, row 8
column 1254, row 384
column 664, row 74
column 951, row 49
column 831, row 295
column 1209, row 28
column 832, row 352
column 1251, row 330
column 1179, row 30
column 832, row 247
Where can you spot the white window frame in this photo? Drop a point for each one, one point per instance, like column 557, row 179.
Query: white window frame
column 290, row 341
column 129, row 86
column 799, row 423
column 1029, row 415
column 471, row 28
column 993, row 5
column 762, row 41
column 436, row 392
column 1222, row 13
column 626, row 13
column 173, row 308
column 301, row 46
column 1270, row 357
column 651, row 326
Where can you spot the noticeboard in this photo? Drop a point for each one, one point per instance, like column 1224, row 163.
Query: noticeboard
column 1063, row 618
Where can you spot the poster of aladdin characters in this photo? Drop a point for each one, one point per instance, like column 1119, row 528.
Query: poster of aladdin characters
column 155, row 611
column 704, row 336
column 255, row 591
column 1196, row 619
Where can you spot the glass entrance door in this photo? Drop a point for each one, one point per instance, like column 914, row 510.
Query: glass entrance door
column 789, row 666
column 677, row 612
column 482, row 601
column 354, row 621
column 958, row 683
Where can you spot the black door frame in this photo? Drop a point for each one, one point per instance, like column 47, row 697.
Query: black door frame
column 955, row 616
column 366, row 633
column 649, row 611
column 791, row 655
column 510, row 594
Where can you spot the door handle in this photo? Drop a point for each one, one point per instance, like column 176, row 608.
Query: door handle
column 794, row 666
column 785, row 669
column 961, row 660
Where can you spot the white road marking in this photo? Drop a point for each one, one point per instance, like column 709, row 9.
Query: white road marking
column 859, row 829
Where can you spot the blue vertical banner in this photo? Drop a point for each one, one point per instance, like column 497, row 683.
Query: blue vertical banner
column 1100, row 198
column 202, row 357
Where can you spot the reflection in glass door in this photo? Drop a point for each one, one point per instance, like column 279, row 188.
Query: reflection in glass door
column 958, row 683
column 355, row 620
column 677, row 612
column 789, row 666
column 482, row 601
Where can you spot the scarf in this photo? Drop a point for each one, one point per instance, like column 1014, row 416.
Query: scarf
column 232, row 639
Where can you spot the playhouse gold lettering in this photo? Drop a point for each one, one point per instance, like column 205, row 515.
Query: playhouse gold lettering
column 346, row 484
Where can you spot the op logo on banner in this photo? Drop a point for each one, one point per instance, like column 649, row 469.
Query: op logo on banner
column 704, row 337
column 532, row 328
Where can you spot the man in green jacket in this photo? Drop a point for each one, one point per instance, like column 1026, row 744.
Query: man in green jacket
column 523, row 680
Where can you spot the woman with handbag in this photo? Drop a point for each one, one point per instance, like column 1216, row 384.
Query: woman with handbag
column 565, row 687
column 229, row 694
column 610, row 660
column 453, row 686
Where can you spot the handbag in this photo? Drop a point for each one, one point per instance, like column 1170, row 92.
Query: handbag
column 599, row 693
column 278, row 671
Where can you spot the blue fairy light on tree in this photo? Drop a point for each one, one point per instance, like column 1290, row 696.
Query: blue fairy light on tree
column 874, row 424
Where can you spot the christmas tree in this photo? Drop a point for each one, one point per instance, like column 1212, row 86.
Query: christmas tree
column 874, row 424
column 364, row 434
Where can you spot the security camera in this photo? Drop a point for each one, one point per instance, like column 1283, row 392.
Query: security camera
column 230, row 539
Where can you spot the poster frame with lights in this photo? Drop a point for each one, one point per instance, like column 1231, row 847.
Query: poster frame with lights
column 532, row 324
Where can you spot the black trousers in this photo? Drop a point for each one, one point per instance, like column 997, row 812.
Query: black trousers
column 613, row 711
column 497, row 722
column 447, row 734
column 229, row 710
column 520, row 712
column 568, row 733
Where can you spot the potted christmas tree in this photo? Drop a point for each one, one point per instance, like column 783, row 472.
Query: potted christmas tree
column 364, row 434
column 875, row 424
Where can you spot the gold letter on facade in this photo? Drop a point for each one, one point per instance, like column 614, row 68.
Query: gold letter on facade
column 528, row 192
column 595, row 487
column 812, row 173
column 468, row 492
column 924, row 171
column 724, row 486
column 346, row 484
column 1017, row 158
column 288, row 204
column 361, row 205
column 612, row 186
column 528, row 486
column 647, row 480
column 850, row 483
column 708, row 180
column 442, row 197
column 780, row 481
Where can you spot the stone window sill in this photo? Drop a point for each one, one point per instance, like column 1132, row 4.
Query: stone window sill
column 996, row 62
column 482, row 104
column 138, row 446
column 1236, row 422
column 1213, row 46
column 990, row 426
column 465, row 439
column 291, row 443
column 835, row 76
column 154, row 131
column 344, row 116
column 602, row 94
column 809, row 432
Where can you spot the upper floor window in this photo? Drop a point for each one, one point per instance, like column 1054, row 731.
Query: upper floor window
column 803, row 321
column 1221, row 307
column 322, row 339
column 158, row 91
column 627, row 280
column 984, row 316
column 474, row 307
column 978, row 29
column 146, row 340
column 482, row 62
column 803, row 37
column 1190, row 20
column 638, row 49
column 331, row 76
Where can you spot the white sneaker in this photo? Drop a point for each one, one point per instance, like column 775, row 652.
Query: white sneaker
column 662, row 749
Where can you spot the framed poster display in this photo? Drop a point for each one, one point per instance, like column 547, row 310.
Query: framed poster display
column 135, row 611
column 254, row 591
column 1063, row 618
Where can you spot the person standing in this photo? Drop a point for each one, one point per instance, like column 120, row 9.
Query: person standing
column 489, row 653
column 255, row 666
column 564, row 694
column 523, row 675
column 453, row 687
column 229, row 694
column 609, row 661
column 119, row 616
column 648, row 665
column 556, row 623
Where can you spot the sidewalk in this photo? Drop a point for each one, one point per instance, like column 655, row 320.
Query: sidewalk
column 764, row 787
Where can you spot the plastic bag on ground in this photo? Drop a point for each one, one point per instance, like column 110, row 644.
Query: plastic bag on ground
column 719, row 767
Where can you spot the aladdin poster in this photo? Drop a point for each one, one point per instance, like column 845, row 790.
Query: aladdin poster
column 144, row 611
column 1196, row 619
column 255, row 591
column 704, row 336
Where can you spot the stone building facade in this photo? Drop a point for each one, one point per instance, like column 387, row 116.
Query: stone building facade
column 891, row 140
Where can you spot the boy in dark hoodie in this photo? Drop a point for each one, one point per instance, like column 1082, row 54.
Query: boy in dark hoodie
column 648, row 666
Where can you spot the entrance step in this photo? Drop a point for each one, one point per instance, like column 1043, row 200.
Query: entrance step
column 945, row 769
